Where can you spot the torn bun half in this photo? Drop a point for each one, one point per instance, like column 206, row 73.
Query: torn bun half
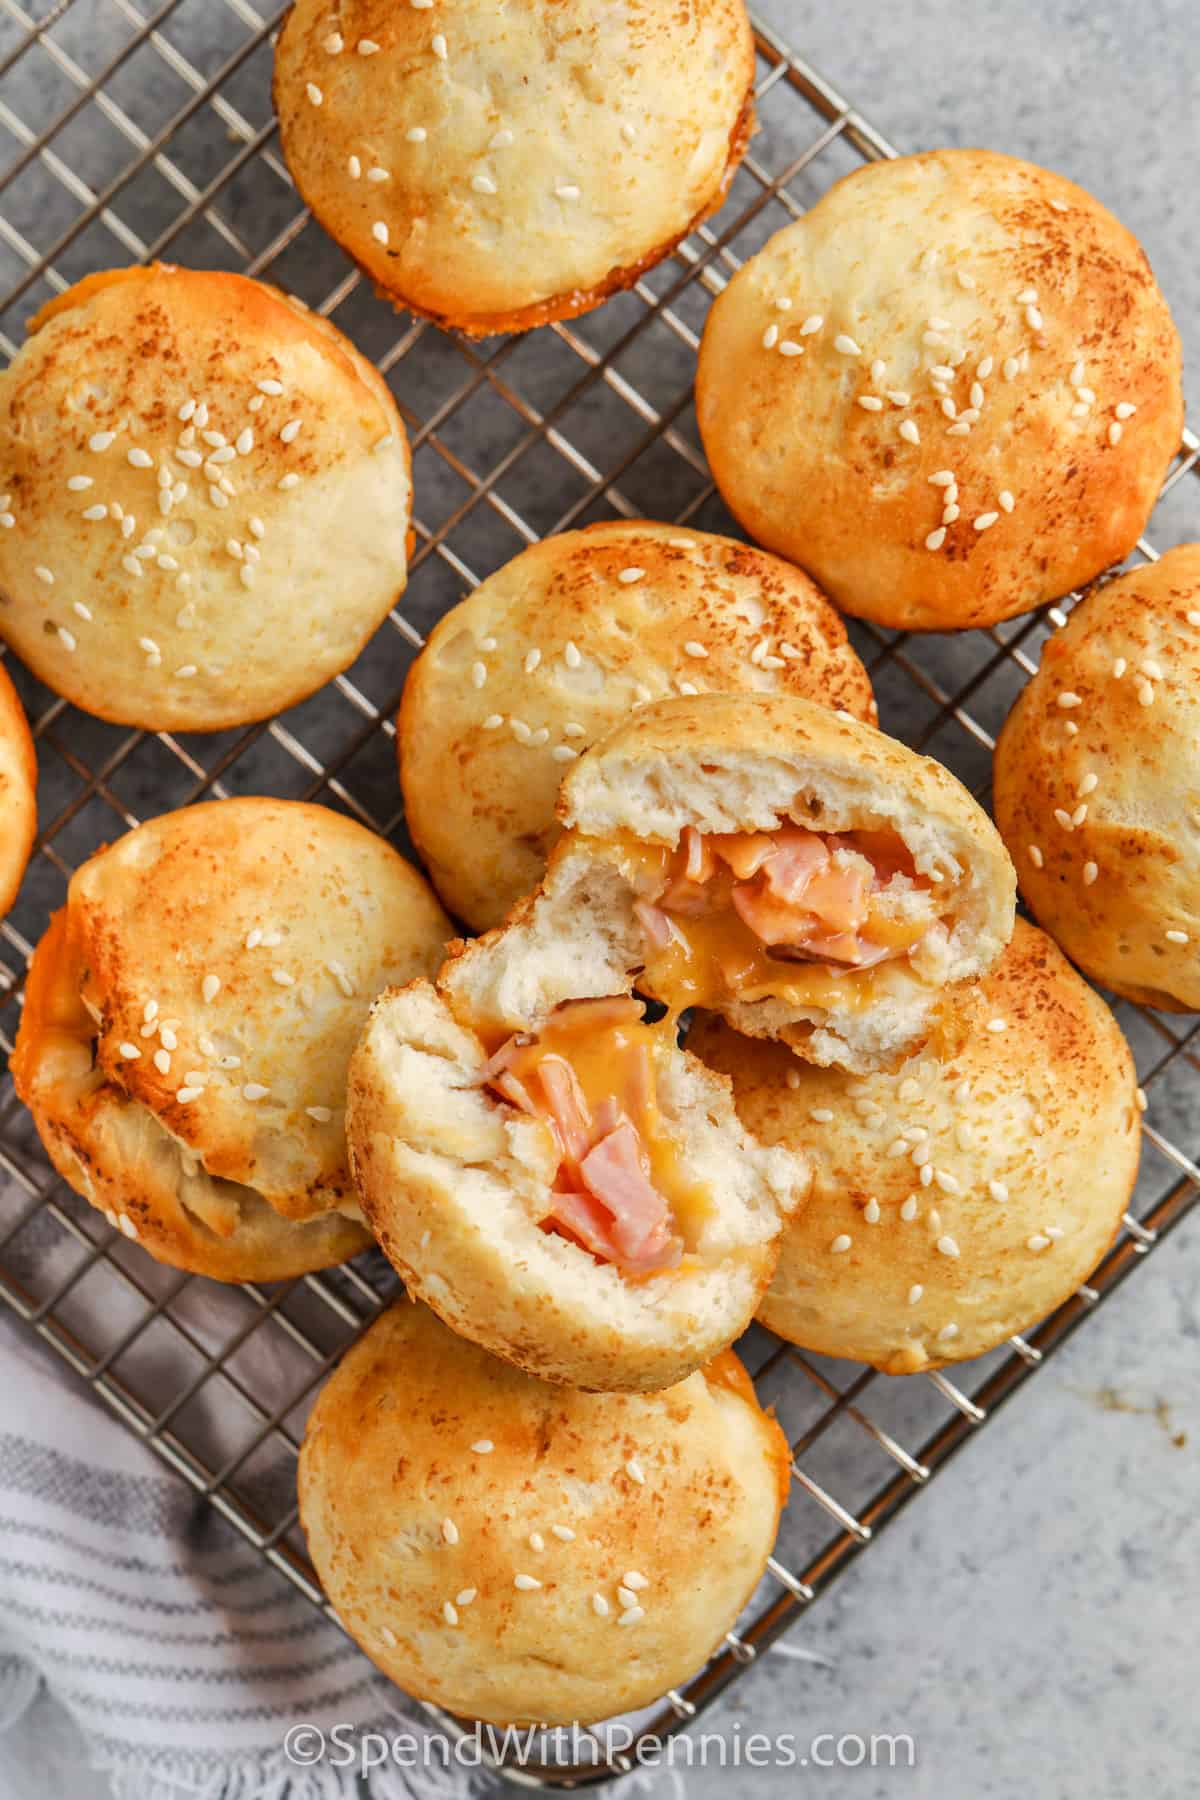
column 568, row 1188
column 794, row 870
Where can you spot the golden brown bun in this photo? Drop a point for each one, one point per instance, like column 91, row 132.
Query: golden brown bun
column 564, row 149
column 205, row 615
column 968, row 262
column 18, row 793
column 1046, row 1108
column 209, row 1180
column 405, row 1512
column 725, row 763
column 1112, row 869
column 480, row 780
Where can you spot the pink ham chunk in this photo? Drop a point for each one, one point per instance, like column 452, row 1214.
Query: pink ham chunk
column 640, row 1232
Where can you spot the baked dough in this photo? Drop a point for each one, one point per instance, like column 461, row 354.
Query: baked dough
column 557, row 648
column 208, row 499
column 18, row 793
column 878, row 831
column 497, row 167
column 953, row 1203
column 1097, row 784
column 189, row 1018
column 521, row 1553
column 967, row 407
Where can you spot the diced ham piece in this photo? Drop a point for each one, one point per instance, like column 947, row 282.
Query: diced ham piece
column 838, row 895
column 515, row 1091
column 838, row 947
column 797, row 858
column 613, row 1173
column 587, row 1221
column 655, row 923
column 568, row 1107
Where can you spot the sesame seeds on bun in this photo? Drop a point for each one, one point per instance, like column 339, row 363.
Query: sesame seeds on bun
column 494, row 168
column 561, row 645
column 968, row 407
column 515, row 1552
column 209, row 497
column 189, row 1020
column 955, row 1201
column 1097, row 784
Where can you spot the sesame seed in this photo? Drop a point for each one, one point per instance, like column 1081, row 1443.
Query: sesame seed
column 439, row 47
column 322, row 1114
column 483, row 184
column 314, row 93
column 1063, row 818
column 520, row 730
column 449, row 1612
column 947, row 1246
column 254, row 1090
column 871, row 1212
column 909, row 432
column 185, row 1095
column 1176, row 937
column 820, row 1115
column 566, row 190
column 626, row 1597
column 600, row 1606
column 162, row 1062
column 998, row 1190
column 943, row 478
column 67, row 638
column 379, row 232
column 898, row 396
column 840, row 1244
column 1125, row 410
column 502, row 139
column 770, row 337
column 541, row 736
column 631, row 1615
column 1006, row 500
column 783, row 303
column 378, row 174
column 814, row 323
column 846, row 345
column 335, row 43
column 1067, row 699
column 571, row 655
column 1037, row 1242
column 416, row 134
column 936, row 539
column 92, row 512
column 167, row 1037
column 1115, row 432
column 127, row 1226
column 367, row 47
column 526, row 1583
column 1142, row 1102
column 1145, row 693
column 563, row 1533
column 985, row 521
column 870, row 403
column 129, row 1052
column 692, row 648
column 281, row 978
column 1033, row 318
column 1060, row 205
column 479, row 674
column 493, row 722
column 1079, row 815
column 291, row 431
column 483, row 1446
column 388, row 1637
column 908, row 1210
column 102, row 440
column 947, row 1332
column 465, row 1596
column 942, row 372
column 633, row 1469
column 1012, row 368
column 965, row 280
column 914, row 1293
column 450, row 1531
column 628, row 576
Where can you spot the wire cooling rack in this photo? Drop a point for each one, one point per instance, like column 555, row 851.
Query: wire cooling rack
column 131, row 133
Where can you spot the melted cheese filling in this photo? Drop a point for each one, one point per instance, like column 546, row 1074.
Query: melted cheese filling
column 731, row 917
column 622, row 1187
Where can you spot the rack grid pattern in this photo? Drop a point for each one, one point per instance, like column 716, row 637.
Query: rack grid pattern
column 129, row 132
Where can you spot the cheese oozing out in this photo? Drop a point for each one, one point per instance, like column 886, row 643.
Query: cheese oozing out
column 590, row 1074
column 793, row 914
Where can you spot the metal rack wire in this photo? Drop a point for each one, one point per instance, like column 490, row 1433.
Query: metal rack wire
column 131, row 132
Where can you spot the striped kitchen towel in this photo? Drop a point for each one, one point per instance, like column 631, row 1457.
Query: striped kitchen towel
column 182, row 1657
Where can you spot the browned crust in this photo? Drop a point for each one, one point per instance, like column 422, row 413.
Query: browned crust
column 559, row 306
column 18, row 792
